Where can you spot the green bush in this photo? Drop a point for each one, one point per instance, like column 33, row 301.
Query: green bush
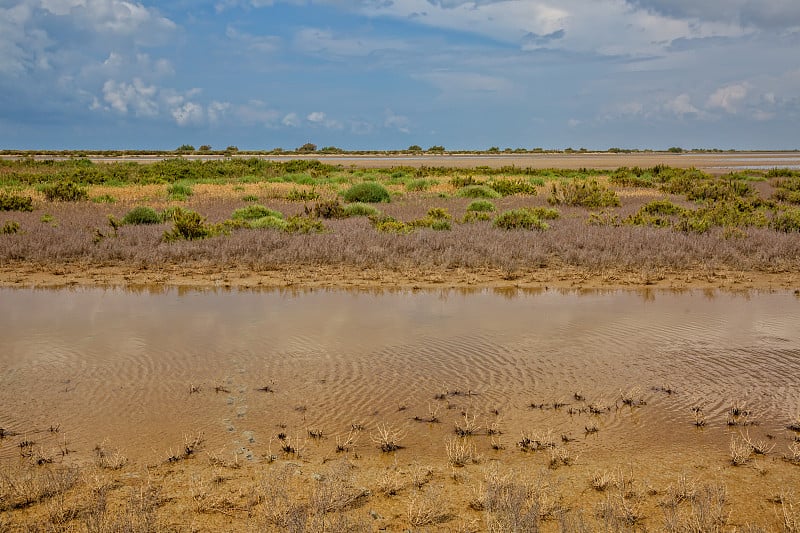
column 481, row 206
column 477, row 191
column 302, row 195
column 463, row 181
column 787, row 221
column 393, row 226
column 420, row 184
column 269, row 222
column 298, row 224
column 188, row 225
column 662, row 207
column 584, row 194
column 367, row 192
column 439, row 213
column 360, row 210
column 519, row 219
column 142, row 215
column 476, row 216
column 250, row 198
column 13, row 202
column 104, row 199
column 179, row 191
column 509, row 187
column 254, row 212
column 65, row 191
column 9, row 228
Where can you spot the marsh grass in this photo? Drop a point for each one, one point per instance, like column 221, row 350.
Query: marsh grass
column 179, row 191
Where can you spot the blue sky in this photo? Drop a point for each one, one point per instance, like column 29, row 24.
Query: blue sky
column 385, row 74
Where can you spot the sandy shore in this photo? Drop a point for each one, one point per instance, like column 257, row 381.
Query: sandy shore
column 348, row 277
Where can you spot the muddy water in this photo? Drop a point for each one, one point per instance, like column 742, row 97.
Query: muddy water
column 142, row 369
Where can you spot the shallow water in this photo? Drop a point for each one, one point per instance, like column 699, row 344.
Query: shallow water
column 118, row 365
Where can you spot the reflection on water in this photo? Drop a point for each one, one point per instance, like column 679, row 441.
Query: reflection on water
column 145, row 366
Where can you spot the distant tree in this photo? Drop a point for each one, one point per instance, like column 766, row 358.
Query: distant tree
column 331, row 150
column 232, row 148
column 415, row 148
column 436, row 148
column 493, row 149
column 185, row 148
column 569, row 150
column 308, row 147
column 205, row 148
column 675, row 150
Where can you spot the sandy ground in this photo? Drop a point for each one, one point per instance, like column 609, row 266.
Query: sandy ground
column 348, row 277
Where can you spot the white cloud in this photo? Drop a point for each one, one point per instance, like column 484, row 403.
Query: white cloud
column 681, row 105
column 136, row 97
column 394, row 121
column 256, row 112
column 189, row 113
column 217, row 110
column 291, row 120
column 262, row 44
column 321, row 119
column 728, row 97
column 319, row 41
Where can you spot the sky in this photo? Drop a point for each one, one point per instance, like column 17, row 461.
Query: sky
column 387, row 74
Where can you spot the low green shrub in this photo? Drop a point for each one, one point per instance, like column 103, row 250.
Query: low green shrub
column 480, row 206
column 661, row 207
column 367, row 192
column 420, row 184
column 250, row 198
column 65, row 191
column 656, row 214
column 787, row 220
column 142, row 215
column 299, row 224
column 477, row 191
column 358, row 209
column 254, row 212
column 302, row 195
column 104, row 199
column 13, row 202
column 393, row 226
column 9, row 228
column 519, row 219
column 583, row 193
column 476, row 216
column 788, row 190
column 509, row 187
column 269, row 222
column 179, row 191
column 460, row 182
column 603, row 218
column 188, row 225
column 543, row 213
column 439, row 213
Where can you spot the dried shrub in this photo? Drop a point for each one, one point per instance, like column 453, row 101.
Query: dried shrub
column 65, row 191
column 13, row 202
column 367, row 192
column 327, row 209
column 142, row 215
